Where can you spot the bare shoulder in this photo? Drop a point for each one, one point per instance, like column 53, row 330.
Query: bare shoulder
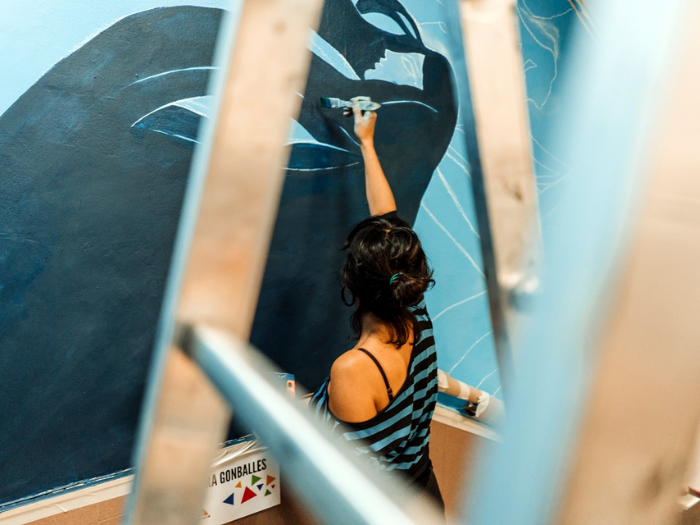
column 349, row 365
column 351, row 397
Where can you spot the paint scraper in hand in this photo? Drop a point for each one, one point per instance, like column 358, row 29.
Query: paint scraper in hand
column 364, row 103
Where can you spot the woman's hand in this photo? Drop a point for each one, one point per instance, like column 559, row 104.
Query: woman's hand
column 364, row 125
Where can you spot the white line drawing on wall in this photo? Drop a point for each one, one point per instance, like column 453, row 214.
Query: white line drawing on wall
column 459, row 246
column 454, row 198
column 470, row 349
column 463, row 301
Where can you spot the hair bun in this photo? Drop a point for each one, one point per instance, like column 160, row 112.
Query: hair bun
column 407, row 290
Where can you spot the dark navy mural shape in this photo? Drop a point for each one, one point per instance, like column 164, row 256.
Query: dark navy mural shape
column 301, row 322
column 94, row 161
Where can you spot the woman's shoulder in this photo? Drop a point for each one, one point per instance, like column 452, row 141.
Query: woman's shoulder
column 350, row 365
column 352, row 390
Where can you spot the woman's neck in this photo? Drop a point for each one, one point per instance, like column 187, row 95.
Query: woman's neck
column 375, row 328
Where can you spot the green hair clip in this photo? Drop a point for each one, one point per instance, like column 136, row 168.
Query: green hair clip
column 393, row 278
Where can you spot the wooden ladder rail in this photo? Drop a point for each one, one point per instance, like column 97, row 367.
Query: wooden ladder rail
column 219, row 257
column 497, row 135
column 612, row 352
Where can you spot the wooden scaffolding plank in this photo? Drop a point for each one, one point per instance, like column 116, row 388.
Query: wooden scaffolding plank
column 638, row 437
column 220, row 253
column 500, row 158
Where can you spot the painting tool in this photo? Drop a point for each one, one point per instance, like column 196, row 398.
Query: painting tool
column 479, row 404
column 365, row 103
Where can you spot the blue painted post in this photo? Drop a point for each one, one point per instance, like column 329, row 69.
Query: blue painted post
column 613, row 93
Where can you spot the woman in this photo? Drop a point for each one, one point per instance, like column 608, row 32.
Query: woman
column 384, row 389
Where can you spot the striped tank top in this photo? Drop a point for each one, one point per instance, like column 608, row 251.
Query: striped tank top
column 397, row 437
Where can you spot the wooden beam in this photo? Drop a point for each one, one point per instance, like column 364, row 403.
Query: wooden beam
column 220, row 254
column 501, row 164
column 644, row 406
column 604, row 405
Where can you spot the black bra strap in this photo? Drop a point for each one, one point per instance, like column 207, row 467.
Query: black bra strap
column 386, row 381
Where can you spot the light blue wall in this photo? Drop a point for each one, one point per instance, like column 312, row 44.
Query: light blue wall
column 36, row 35
column 447, row 219
column 447, row 225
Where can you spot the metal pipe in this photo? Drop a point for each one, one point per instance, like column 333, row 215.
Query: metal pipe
column 335, row 483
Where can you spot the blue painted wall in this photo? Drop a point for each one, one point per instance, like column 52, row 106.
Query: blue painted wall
column 447, row 218
column 407, row 55
column 98, row 120
column 377, row 48
column 95, row 156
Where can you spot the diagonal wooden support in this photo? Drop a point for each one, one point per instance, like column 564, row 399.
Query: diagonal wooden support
column 221, row 248
column 644, row 407
column 499, row 149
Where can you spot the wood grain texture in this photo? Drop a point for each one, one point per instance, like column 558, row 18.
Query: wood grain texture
column 241, row 195
column 511, row 234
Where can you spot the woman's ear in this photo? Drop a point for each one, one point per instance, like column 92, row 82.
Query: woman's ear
column 352, row 301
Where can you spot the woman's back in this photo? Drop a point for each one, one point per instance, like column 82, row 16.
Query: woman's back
column 385, row 274
column 397, row 437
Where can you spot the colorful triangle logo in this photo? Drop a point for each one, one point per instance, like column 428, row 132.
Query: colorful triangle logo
column 229, row 500
column 260, row 486
column 270, row 479
column 248, row 494
column 254, row 480
column 267, row 492
column 238, row 486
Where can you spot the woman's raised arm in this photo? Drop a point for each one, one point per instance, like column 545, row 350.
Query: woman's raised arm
column 379, row 195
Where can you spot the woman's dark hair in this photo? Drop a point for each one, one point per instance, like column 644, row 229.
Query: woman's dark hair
column 386, row 272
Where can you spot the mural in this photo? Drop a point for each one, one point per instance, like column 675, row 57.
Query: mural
column 95, row 155
column 372, row 48
column 407, row 55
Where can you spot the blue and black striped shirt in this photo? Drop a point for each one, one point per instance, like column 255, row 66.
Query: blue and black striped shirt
column 397, row 437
